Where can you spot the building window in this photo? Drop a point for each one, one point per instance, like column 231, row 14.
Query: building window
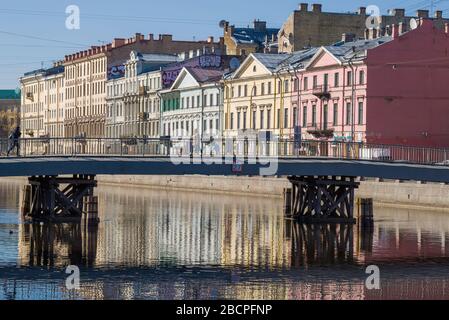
column 244, row 120
column 245, row 90
column 336, row 79
column 238, row 120
column 232, row 121
column 326, row 81
column 296, row 85
column 349, row 78
column 268, row 119
column 262, row 89
column 239, row 91
column 269, row 88
column 261, row 119
column 286, row 86
column 295, row 116
column 313, row 115
column 335, row 114
column 306, row 83
column 304, row 116
column 286, row 118
column 362, row 77
column 315, row 82
column 360, row 112
column 348, row 113
column 254, row 119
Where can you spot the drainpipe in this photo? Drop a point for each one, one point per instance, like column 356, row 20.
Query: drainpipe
column 203, row 101
column 281, row 104
column 296, row 121
column 353, row 97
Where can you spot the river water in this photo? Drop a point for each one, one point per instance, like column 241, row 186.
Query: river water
column 155, row 244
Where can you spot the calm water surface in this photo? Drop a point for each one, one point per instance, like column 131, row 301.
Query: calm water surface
column 154, row 244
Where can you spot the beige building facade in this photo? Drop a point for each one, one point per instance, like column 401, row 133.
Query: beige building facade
column 258, row 98
column 88, row 71
column 42, row 105
column 311, row 27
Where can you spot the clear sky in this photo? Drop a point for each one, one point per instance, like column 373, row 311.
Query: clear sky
column 27, row 26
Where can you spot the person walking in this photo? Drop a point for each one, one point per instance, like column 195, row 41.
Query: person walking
column 14, row 140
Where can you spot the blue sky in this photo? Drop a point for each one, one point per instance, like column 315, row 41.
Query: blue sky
column 26, row 25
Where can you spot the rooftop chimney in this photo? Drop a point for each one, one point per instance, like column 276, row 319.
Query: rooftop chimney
column 210, row 39
column 260, row 26
column 304, row 7
column 348, row 37
column 422, row 13
column 395, row 31
column 402, row 28
column 399, row 13
column 118, row 42
column 439, row 14
column 362, row 11
column 316, row 8
column 166, row 37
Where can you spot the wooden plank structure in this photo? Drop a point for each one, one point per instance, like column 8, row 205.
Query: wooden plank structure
column 323, row 199
column 57, row 199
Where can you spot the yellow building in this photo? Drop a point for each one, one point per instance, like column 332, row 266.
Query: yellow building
column 261, row 96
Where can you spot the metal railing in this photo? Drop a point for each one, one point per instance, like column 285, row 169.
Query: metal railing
column 148, row 147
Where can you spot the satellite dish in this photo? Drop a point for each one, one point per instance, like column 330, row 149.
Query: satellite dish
column 413, row 24
column 222, row 24
column 234, row 64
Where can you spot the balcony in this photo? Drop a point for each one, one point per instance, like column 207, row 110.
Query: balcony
column 321, row 130
column 322, row 92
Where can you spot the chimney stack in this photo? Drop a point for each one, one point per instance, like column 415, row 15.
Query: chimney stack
column 362, row 11
column 348, row 37
column 316, row 8
column 395, row 31
column 423, row 13
column 260, row 26
column 304, row 7
column 399, row 13
column 402, row 28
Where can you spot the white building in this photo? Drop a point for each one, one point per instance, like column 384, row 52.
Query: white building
column 192, row 106
column 42, row 107
column 133, row 103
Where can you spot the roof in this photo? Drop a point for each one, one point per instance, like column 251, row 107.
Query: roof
column 271, row 61
column 9, row 95
column 45, row 72
column 205, row 75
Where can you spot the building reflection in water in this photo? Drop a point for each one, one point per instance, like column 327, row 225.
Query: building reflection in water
column 154, row 244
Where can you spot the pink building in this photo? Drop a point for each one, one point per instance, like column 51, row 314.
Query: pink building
column 399, row 82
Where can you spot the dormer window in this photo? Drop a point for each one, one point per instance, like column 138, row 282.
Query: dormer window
column 255, row 69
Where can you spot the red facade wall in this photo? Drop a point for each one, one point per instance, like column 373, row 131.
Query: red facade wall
column 408, row 89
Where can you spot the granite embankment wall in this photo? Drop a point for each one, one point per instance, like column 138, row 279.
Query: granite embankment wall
column 407, row 194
